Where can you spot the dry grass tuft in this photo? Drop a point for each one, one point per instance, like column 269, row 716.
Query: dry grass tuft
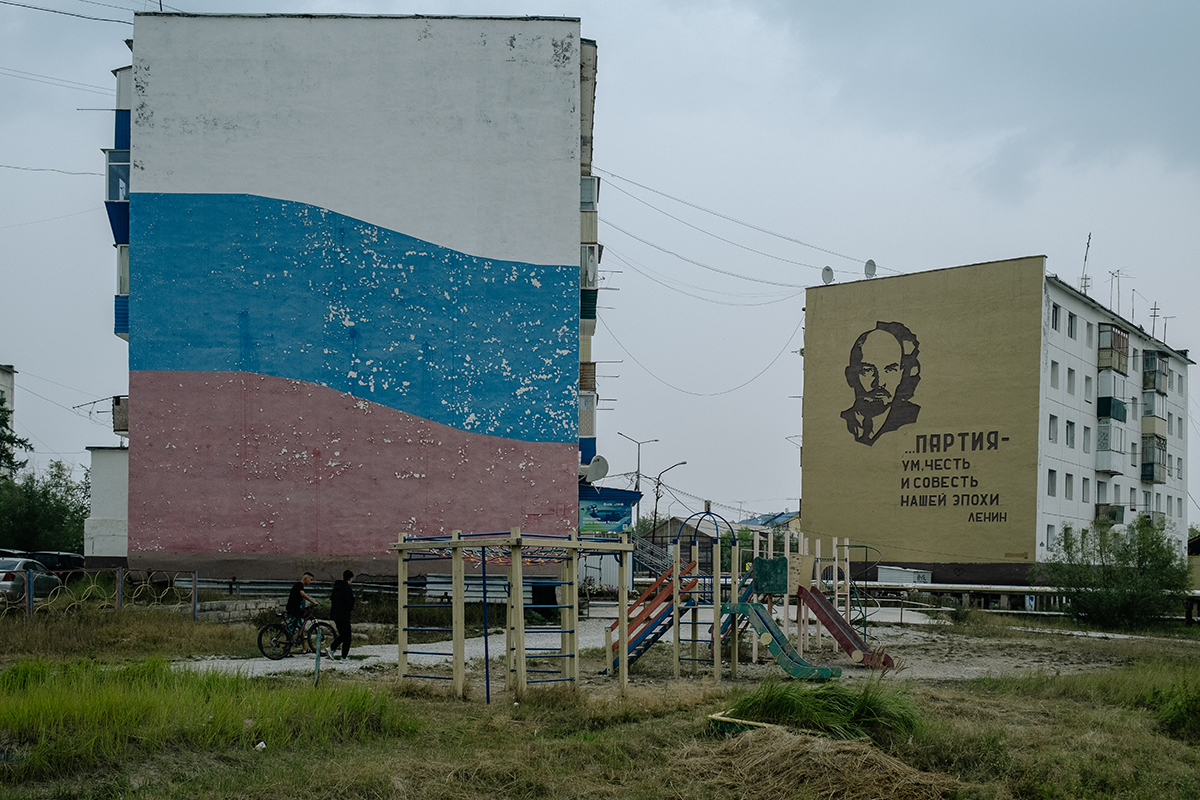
column 773, row 763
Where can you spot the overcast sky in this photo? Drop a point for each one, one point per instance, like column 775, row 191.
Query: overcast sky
column 919, row 135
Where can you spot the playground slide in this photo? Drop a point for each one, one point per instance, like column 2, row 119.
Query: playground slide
column 785, row 655
column 845, row 635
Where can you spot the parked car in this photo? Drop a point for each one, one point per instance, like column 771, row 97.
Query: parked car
column 13, row 572
column 7, row 553
column 57, row 560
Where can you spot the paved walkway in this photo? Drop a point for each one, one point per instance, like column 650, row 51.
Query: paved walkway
column 591, row 634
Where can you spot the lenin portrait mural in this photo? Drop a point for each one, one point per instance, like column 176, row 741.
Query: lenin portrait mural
column 883, row 372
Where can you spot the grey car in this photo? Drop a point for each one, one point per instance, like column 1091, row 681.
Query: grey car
column 14, row 571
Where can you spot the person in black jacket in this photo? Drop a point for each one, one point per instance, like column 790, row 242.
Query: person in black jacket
column 341, row 603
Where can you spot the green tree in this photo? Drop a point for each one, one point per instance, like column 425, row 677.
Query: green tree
column 10, row 445
column 1118, row 579
column 44, row 512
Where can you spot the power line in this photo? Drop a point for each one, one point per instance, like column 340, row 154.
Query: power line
column 733, row 219
column 632, row 266
column 722, row 238
column 700, row 264
column 703, row 394
column 20, row 73
column 49, row 219
column 64, row 13
column 50, row 169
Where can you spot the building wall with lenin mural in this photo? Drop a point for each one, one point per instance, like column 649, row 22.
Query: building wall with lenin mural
column 921, row 418
column 354, row 286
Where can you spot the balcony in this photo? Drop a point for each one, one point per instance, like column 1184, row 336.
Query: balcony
column 121, row 316
column 1111, row 462
column 1112, row 408
column 120, row 409
column 1154, row 473
column 1113, row 513
column 1155, row 368
column 1113, row 352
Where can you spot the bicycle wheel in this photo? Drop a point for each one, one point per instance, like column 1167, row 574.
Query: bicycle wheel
column 274, row 641
column 328, row 634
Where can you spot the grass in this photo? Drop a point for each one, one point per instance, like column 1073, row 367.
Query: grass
column 103, row 719
column 872, row 709
column 71, row 717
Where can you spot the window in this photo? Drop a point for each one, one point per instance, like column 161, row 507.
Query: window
column 1158, row 501
column 1133, row 462
column 1179, row 506
column 1089, row 334
column 1146, row 501
column 1053, row 374
column 1087, row 388
column 1052, row 483
column 1054, row 315
column 1134, row 362
column 1170, row 424
column 1070, row 434
column 118, row 176
column 1050, row 535
column 1071, row 319
column 1087, row 439
column 1070, row 381
column 1086, row 492
column 1170, row 506
column 1171, row 379
column 1053, row 428
column 1101, row 492
column 1132, row 498
column 1179, row 468
column 1069, row 486
column 1181, row 383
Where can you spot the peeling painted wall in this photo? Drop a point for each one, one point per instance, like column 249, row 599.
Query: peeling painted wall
column 353, row 282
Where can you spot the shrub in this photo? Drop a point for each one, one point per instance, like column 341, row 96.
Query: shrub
column 1118, row 579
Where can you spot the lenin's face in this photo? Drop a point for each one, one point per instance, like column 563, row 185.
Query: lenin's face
column 880, row 373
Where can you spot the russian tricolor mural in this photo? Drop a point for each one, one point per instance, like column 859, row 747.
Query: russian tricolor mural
column 354, row 285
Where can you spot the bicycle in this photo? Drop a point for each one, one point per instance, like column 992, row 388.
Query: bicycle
column 276, row 641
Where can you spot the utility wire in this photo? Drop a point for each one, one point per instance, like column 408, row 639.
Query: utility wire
column 50, row 169
column 62, row 83
column 49, row 219
column 64, row 13
column 703, row 394
column 722, row 238
column 733, row 219
column 629, row 264
column 700, row 264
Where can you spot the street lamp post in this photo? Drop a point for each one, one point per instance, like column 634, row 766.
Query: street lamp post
column 637, row 481
column 658, row 488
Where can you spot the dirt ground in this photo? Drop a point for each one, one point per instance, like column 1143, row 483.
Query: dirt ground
column 921, row 653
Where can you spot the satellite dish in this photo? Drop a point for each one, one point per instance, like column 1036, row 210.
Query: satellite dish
column 869, row 268
column 827, row 275
column 597, row 469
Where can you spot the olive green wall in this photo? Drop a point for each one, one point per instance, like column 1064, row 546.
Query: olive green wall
column 952, row 477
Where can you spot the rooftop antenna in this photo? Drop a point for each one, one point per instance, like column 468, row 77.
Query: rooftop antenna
column 827, row 275
column 869, row 268
column 1116, row 276
column 1154, row 319
column 1164, row 319
column 1084, row 280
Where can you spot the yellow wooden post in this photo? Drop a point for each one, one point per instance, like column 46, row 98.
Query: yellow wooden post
column 675, row 566
column 519, row 610
column 756, row 598
column 735, row 580
column 623, row 617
